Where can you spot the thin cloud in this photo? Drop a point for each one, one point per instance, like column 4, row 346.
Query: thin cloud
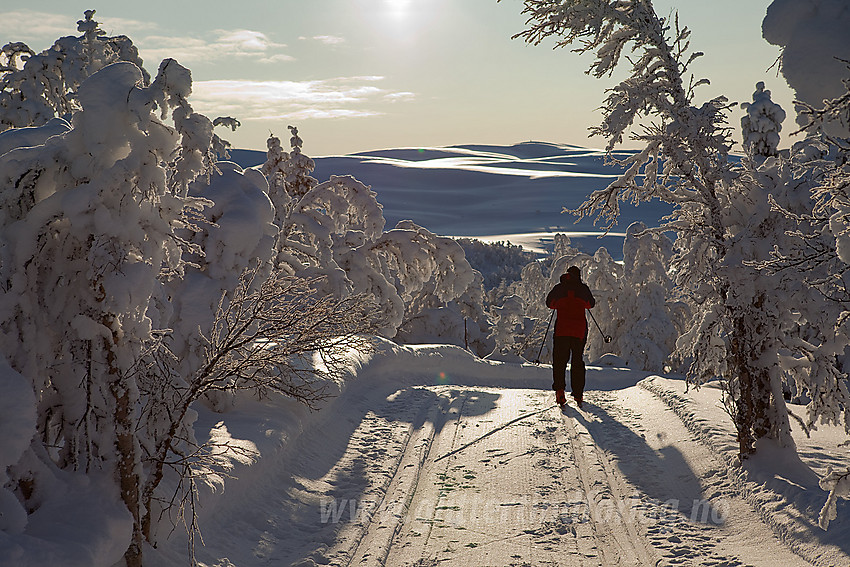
column 124, row 26
column 247, row 40
column 24, row 25
column 225, row 44
column 341, row 97
column 329, row 39
column 277, row 58
column 319, row 114
column 44, row 28
column 401, row 96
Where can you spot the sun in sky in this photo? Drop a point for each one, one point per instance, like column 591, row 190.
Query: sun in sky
column 398, row 8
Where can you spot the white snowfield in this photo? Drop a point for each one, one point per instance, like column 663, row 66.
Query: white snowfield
column 509, row 193
column 430, row 456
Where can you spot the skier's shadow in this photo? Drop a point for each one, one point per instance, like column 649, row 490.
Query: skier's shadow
column 663, row 474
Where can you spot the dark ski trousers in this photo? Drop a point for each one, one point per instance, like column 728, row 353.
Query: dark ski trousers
column 566, row 349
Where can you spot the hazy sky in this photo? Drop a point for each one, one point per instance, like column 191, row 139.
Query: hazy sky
column 366, row 74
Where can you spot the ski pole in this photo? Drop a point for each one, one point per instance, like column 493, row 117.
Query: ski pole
column 606, row 338
column 542, row 342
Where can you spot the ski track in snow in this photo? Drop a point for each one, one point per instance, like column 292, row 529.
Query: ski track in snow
column 718, row 437
column 465, row 475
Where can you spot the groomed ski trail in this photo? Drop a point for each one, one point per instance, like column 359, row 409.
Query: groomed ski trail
column 422, row 476
column 507, row 478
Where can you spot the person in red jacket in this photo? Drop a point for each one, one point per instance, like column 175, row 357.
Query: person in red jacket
column 570, row 298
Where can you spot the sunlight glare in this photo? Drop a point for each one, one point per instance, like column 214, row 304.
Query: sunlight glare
column 398, row 9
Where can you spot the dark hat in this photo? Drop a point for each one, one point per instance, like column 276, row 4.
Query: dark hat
column 575, row 272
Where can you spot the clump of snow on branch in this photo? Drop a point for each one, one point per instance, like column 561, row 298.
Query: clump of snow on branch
column 838, row 486
column 815, row 49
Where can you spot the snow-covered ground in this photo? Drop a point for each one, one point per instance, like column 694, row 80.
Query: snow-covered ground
column 431, row 456
column 427, row 455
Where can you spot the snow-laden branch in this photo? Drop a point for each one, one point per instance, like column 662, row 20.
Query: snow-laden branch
column 838, row 485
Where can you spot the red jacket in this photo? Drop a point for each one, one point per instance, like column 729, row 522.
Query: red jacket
column 570, row 297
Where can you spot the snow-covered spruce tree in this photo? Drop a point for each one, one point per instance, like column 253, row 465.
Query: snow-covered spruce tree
column 684, row 162
column 35, row 88
column 298, row 167
column 651, row 321
column 761, row 125
column 507, row 328
column 604, row 277
column 274, row 171
column 288, row 174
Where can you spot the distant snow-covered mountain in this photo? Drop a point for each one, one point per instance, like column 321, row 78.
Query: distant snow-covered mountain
column 513, row 193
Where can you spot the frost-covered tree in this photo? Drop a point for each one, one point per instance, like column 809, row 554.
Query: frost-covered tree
column 274, row 171
column 476, row 327
column 507, row 325
column 650, row 320
column 88, row 236
column 136, row 279
column 497, row 261
column 298, row 168
column 604, row 277
column 462, row 321
column 335, row 229
column 532, row 288
column 819, row 260
column 35, row 88
column 684, row 161
column 427, row 270
column 762, row 123
column 288, row 174
column 522, row 335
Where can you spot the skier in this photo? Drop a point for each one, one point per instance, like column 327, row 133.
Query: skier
column 570, row 298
